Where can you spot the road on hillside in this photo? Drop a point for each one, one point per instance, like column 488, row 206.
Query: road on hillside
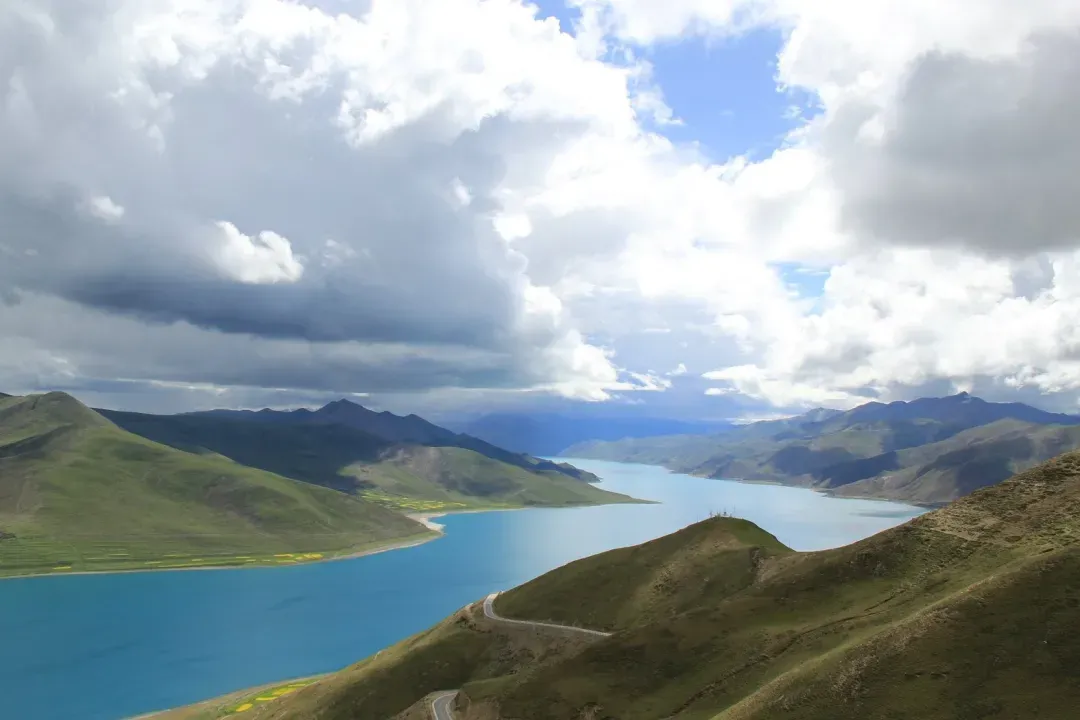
column 442, row 704
column 489, row 612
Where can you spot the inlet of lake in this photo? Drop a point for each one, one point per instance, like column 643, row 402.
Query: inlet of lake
column 104, row 647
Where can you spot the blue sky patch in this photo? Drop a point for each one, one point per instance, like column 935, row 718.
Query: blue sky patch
column 723, row 89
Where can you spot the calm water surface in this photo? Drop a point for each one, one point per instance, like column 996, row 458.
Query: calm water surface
column 103, row 647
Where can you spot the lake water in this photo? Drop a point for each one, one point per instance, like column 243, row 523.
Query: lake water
column 103, row 647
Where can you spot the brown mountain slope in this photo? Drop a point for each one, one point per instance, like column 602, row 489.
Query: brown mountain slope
column 943, row 471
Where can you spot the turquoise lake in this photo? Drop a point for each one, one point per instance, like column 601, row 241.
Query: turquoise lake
column 104, row 647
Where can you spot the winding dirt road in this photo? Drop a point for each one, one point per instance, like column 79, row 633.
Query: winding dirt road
column 442, row 705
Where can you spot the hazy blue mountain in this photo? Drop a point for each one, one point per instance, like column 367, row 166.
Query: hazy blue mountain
column 552, row 433
column 961, row 409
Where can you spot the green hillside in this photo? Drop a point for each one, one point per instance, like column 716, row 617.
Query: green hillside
column 968, row 612
column 78, row 493
column 314, row 454
column 395, row 430
column 402, row 476
column 649, row 582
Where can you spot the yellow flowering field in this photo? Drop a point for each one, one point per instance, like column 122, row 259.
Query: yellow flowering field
column 266, row 696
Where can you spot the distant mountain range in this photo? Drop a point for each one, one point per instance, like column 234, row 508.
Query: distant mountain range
column 390, row 428
column 83, row 489
column 550, row 434
column 929, row 451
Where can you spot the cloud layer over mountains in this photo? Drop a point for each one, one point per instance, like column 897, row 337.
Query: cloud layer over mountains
column 409, row 196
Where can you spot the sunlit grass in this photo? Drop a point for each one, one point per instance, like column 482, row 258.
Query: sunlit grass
column 400, row 502
column 34, row 555
column 267, row 695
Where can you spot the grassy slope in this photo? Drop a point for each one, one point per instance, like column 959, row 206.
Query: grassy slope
column 351, row 460
column 965, row 613
column 312, row 453
column 462, row 649
column 81, row 494
column 1005, row 648
column 943, row 471
column 455, row 475
column 629, row 586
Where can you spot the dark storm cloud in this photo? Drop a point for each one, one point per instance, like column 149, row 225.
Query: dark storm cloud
column 981, row 153
column 239, row 196
column 405, row 264
column 57, row 343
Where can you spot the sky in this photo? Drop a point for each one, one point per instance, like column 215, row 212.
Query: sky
column 696, row 208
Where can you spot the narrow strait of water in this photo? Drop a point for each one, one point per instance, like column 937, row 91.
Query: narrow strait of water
column 104, row 647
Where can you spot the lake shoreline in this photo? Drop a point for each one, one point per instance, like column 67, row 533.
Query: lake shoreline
column 235, row 695
column 878, row 498
column 826, row 492
column 434, row 532
column 399, row 544
column 426, row 518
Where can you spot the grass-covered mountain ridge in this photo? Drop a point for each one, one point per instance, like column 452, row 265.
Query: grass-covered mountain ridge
column 391, row 459
column 928, row 451
column 409, row 430
column 96, row 490
column 970, row 612
column 79, row 493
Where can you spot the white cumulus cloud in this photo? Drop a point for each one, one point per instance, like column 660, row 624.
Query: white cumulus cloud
column 935, row 187
column 264, row 258
column 103, row 208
